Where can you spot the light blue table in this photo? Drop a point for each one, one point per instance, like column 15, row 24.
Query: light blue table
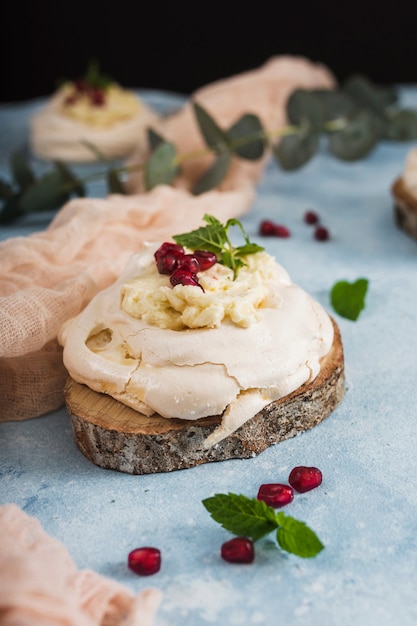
column 365, row 511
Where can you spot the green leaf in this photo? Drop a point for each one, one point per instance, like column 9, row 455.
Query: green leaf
column 162, row 166
column 211, row 237
column 71, row 182
column 304, row 108
column 214, row 175
column 47, row 193
column 335, row 103
column 369, row 95
column 294, row 151
column 247, row 138
column 348, row 299
column 240, row 515
column 249, row 248
column 114, row 182
column 6, row 190
column 296, row 537
column 214, row 137
column 401, row 126
column 10, row 210
column 154, row 138
column 356, row 139
column 21, row 172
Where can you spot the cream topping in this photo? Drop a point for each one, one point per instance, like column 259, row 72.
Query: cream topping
column 229, row 369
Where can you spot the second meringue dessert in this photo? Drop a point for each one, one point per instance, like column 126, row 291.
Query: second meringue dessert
column 94, row 110
column 191, row 330
column 404, row 191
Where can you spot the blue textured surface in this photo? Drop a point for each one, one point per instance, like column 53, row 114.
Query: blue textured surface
column 365, row 511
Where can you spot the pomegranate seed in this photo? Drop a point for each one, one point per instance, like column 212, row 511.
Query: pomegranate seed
column 144, row 561
column 80, row 85
column 267, row 228
column 238, row 550
column 310, row 217
column 270, row 229
column 189, row 262
column 167, row 263
column 275, row 494
column 97, row 97
column 304, row 478
column 281, row 231
column 168, row 246
column 205, row 258
column 321, row 233
column 184, row 277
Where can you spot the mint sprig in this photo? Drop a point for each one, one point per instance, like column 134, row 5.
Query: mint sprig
column 253, row 518
column 348, row 299
column 214, row 238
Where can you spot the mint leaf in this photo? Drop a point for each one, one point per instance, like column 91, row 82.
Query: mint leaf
column 214, row 238
column 240, row 515
column 296, row 537
column 348, row 299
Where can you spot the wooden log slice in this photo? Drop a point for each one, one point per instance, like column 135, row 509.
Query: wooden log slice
column 114, row 436
column 405, row 208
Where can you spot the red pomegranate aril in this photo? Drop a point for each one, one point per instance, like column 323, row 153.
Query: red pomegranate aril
column 275, row 494
column 189, row 262
column 310, row 217
column 238, row 550
column 321, row 233
column 144, row 561
column 205, row 258
column 166, row 247
column 97, row 97
column 303, row 478
column 282, row 231
column 167, row 264
column 267, row 228
column 184, row 277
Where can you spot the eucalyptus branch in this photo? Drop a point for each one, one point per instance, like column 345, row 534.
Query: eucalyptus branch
column 353, row 119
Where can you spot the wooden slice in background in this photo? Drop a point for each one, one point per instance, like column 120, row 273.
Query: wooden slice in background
column 114, row 436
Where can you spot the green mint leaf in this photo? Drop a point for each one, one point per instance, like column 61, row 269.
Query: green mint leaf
column 348, row 299
column 211, row 237
column 296, row 537
column 249, row 248
column 240, row 515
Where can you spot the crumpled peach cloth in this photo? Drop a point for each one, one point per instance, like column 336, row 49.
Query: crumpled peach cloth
column 263, row 91
column 41, row 586
column 48, row 277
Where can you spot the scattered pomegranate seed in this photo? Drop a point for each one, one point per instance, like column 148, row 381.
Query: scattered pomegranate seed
column 144, row 561
column 184, row 277
column 189, row 263
column 321, row 233
column 304, row 478
column 275, row 494
column 310, row 217
column 270, row 229
column 238, row 550
column 205, row 258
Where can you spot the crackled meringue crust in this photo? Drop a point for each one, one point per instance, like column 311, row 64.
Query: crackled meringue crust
column 228, row 370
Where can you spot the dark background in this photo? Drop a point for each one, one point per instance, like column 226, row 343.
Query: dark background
column 180, row 47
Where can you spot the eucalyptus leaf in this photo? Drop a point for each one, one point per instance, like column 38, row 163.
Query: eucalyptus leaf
column 21, row 172
column 71, row 182
column 247, row 138
column 295, row 150
column 154, row 139
column 162, row 167
column 214, row 175
column 10, row 210
column 401, row 126
column 46, row 193
column 114, row 182
column 214, row 137
column 306, row 109
column 369, row 95
column 6, row 190
column 356, row 139
column 336, row 104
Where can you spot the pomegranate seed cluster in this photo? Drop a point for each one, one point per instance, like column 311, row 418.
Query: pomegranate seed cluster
column 95, row 95
column 183, row 267
column 276, row 495
column 268, row 228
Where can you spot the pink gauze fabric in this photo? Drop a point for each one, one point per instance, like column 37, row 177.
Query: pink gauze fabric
column 41, row 586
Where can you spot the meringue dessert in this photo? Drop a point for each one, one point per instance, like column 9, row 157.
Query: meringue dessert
column 90, row 112
column 185, row 345
column 404, row 191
